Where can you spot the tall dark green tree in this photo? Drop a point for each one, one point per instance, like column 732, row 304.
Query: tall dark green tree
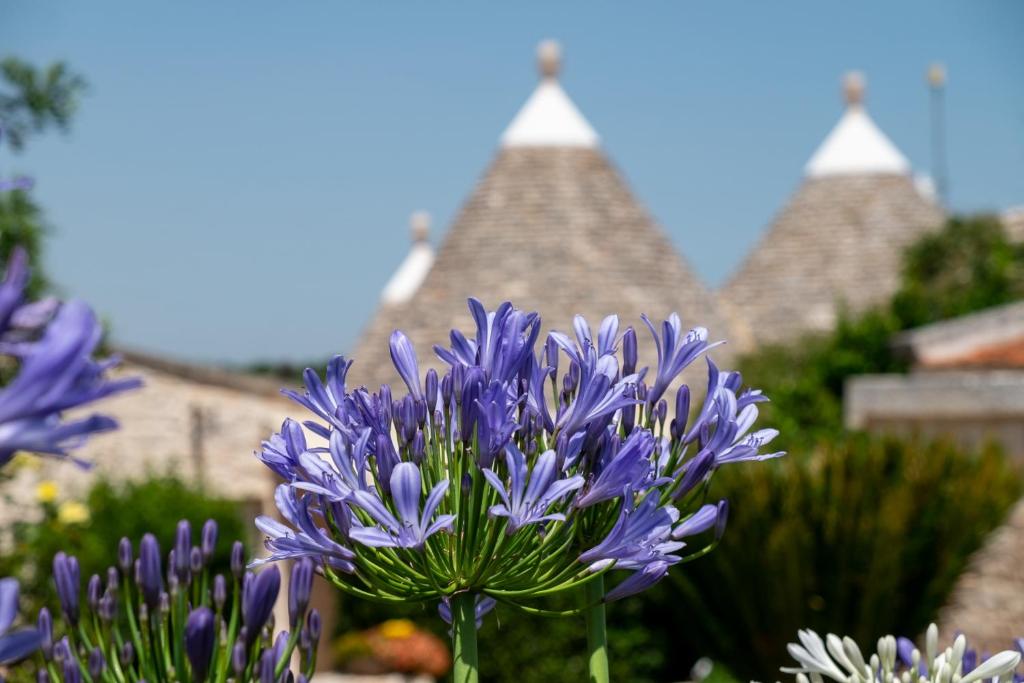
column 32, row 101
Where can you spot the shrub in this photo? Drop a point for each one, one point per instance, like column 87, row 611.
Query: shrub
column 865, row 536
column 91, row 530
column 968, row 266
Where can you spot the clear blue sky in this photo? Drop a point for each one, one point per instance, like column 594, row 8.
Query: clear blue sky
column 239, row 180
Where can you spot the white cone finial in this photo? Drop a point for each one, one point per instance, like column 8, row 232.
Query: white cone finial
column 417, row 264
column 856, row 145
column 549, row 118
column 854, row 85
column 549, row 58
column 419, row 225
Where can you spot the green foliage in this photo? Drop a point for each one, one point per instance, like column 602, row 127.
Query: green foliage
column 21, row 224
column 967, row 266
column 114, row 510
column 862, row 537
column 530, row 649
column 32, row 101
column 35, row 99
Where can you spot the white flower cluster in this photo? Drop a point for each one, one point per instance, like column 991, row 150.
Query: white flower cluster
column 841, row 660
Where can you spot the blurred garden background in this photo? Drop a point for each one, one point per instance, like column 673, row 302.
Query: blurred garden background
column 837, row 192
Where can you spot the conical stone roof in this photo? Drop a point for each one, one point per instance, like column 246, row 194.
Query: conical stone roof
column 553, row 228
column 838, row 242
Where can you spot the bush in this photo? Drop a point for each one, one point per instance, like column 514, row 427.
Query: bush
column 92, row 530
column 968, row 266
column 864, row 537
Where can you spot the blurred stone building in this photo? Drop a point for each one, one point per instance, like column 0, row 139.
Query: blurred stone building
column 552, row 227
column 839, row 240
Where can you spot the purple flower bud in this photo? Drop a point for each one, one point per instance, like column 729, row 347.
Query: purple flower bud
column 446, row 389
column 199, row 641
column 696, row 470
column 267, row 666
column 94, row 591
column 551, row 355
column 678, row 425
column 107, row 607
column 431, row 389
column 220, row 592
column 313, row 624
column 97, row 663
column 182, row 551
column 72, row 674
column 299, row 587
column 629, row 412
column 45, row 626
column 458, row 383
column 418, row 447
column 661, row 412
column 150, row 575
column 238, row 657
column 237, row 560
column 124, row 555
column 629, row 352
column 258, row 597
column 641, row 391
column 62, row 650
column 723, row 518
column 195, row 560
column 127, row 653
column 42, row 676
column 165, row 603
column 66, row 577
column 209, row 541
column 113, row 579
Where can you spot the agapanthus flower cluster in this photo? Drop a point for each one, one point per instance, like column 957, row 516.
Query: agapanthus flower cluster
column 525, row 469
column 53, row 344
column 898, row 661
column 139, row 622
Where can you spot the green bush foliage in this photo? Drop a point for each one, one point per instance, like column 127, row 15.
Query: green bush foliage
column 863, row 537
column 115, row 510
column 967, row 266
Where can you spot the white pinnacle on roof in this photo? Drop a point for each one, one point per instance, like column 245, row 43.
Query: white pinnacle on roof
column 856, row 145
column 410, row 274
column 549, row 118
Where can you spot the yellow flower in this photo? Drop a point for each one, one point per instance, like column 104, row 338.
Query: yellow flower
column 46, row 492
column 72, row 512
column 397, row 628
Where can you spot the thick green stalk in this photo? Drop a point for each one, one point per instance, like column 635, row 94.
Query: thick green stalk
column 466, row 668
column 597, row 637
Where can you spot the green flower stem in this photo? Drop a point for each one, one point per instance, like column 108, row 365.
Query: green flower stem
column 597, row 637
column 464, row 654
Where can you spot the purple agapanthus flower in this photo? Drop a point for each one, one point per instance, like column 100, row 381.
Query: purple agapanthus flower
column 628, row 467
column 538, row 465
column 415, row 526
column 14, row 645
column 676, row 351
column 56, row 373
column 309, row 540
column 641, row 535
column 528, row 503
